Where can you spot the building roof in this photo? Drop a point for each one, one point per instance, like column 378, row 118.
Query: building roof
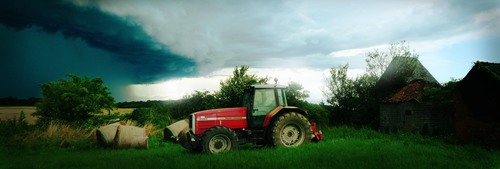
column 400, row 72
column 481, row 72
column 410, row 92
column 492, row 69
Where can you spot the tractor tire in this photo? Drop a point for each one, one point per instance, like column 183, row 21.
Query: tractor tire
column 218, row 139
column 290, row 130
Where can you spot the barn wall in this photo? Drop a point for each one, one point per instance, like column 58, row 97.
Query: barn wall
column 470, row 128
column 415, row 117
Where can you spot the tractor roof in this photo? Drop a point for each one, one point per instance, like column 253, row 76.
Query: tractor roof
column 269, row 86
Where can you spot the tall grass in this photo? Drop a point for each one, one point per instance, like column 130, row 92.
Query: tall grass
column 62, row 135
column 17, row 133
column 342, row 147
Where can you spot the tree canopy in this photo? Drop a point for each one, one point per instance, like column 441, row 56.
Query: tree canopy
column 74, row 99
column 377, row 61
column 295, row 94
column 232, row 89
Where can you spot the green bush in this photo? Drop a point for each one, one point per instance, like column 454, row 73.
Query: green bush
column 150, row 116
column 73, row 100
column 317, row 113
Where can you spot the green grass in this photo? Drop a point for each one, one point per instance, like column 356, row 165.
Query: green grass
column 342, row 147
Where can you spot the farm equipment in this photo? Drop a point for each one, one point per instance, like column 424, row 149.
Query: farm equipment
column 264, row 119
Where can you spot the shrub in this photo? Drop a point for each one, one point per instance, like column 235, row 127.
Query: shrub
column 317, row 113
column 144, row 116
column 73, row 100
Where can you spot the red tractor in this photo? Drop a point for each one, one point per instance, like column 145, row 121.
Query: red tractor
column 265, row 119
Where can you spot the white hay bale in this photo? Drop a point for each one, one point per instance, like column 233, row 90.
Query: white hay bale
column 131, row 136
column 106, row 134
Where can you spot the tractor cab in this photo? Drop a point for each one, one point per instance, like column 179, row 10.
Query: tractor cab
column 262, row 99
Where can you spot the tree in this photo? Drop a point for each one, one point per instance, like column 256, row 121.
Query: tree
column 339, row 87
column 377, row 61
column 232, row 89
column 341, row 94
column 295, row 94
column 366, row 104
column 74, row 99
column 199, row 100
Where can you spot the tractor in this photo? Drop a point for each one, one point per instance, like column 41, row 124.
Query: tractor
column 264, row 119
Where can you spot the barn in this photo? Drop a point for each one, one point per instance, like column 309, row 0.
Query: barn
column 477, row 104
column 405, row 110
column 399, row 89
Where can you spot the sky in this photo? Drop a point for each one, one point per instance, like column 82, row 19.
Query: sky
column 166, row 49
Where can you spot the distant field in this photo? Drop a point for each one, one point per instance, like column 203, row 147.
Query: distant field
column 121, row 110
column 10, row 112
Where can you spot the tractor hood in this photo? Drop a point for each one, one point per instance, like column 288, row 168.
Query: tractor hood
column 223, row 112
column 234, row 118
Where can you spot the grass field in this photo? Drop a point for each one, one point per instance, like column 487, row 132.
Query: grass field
column 342, row 147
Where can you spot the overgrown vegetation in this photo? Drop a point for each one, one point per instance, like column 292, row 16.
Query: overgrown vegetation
column 443, row 93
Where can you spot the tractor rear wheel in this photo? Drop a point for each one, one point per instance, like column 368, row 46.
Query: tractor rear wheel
column 290, row 130
column 218, row 139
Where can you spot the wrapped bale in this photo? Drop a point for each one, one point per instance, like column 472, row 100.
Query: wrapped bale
column 131, row 136
column 106, row 134
column 176, row 130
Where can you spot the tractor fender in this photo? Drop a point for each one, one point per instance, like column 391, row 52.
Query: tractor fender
column 276, row 112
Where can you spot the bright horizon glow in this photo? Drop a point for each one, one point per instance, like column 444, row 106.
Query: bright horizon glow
column 312, row 81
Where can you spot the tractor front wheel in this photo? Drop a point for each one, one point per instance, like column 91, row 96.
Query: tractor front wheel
column 218, row 139
column 290, row 130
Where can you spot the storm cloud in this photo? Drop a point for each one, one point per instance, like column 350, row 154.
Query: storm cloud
column 146, row 42
column 44, row 40
column 125, row 39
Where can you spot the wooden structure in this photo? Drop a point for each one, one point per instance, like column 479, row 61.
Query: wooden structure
column 399, row 89
column 477, row 105
column 405, row 111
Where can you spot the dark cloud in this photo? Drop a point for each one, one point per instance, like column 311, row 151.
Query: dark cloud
column 44, row 40
column 126, row 39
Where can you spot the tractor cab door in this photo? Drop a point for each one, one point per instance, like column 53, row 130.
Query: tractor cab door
column 264, row 101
